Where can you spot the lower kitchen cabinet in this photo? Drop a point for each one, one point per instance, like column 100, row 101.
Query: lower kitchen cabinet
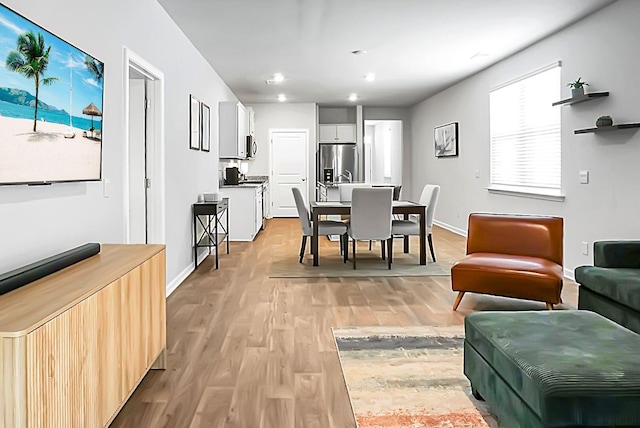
column 245, row 211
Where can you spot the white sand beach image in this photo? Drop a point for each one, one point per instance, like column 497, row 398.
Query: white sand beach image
column 45, row 155
column 50, row 106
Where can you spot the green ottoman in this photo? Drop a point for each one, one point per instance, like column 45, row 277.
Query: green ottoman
column 554, row 368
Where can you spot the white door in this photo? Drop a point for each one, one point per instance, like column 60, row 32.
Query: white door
column 289, row 161
column 137, row 161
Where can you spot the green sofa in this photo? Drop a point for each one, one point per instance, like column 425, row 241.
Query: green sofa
column 612, row 287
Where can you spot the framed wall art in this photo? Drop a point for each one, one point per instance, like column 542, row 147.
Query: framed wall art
column 446, row 140
column 205, row 135
column 194, row 123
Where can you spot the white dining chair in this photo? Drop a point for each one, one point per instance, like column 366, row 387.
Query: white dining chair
column 371, row 210
column 325, row 227
column 429, row 197
column 346, row 189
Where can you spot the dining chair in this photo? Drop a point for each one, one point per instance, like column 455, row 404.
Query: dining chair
column 346, row 190
column 429, row 197
column 371, row 210
column 325, row 227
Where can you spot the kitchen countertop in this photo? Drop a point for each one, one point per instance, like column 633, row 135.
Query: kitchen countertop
column 251, row 184
column 335, row 184
column 250, row 181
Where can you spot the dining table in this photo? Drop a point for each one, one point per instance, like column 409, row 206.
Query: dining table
column 405, row 208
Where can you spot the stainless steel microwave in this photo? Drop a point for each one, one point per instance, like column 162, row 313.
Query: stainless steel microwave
column 252, row 147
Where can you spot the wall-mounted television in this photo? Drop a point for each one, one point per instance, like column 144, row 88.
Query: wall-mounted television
column 51, row 97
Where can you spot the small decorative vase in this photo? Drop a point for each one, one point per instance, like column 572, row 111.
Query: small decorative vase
column 604, row 121
column 577, row 92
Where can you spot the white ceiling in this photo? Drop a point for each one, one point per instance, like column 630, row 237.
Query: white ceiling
column 415, row 47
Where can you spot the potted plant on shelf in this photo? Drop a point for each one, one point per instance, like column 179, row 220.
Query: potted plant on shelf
column 577, row 87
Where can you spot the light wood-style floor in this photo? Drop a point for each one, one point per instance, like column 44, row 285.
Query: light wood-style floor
column 248, row 351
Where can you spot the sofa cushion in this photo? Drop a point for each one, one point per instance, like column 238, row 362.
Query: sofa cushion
column 618, row 284
column 509, row 275
column 572, row 368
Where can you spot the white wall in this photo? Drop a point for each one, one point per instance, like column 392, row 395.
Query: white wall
column 283, row 116
column 37, row 222
column 602, row 50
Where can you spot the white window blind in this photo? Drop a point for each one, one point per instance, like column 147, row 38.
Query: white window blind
column 525, row 134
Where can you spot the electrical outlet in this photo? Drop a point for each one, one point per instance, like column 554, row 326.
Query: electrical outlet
column 477, row 173
column 585, row 248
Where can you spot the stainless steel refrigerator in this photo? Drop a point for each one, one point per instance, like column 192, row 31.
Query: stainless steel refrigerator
column 338, row 163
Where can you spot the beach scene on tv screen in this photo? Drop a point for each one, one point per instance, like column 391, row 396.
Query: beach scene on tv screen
column 50, row 106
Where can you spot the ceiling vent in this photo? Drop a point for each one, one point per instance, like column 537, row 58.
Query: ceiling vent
column 272, row 82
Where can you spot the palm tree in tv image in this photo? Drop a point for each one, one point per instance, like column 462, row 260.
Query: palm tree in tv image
column 31, row 59
column 95, row 68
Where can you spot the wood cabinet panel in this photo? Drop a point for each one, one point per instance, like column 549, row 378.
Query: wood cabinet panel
column 13, row 406
column 78, row 369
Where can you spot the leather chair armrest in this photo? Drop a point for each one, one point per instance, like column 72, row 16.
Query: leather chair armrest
column 617, row 254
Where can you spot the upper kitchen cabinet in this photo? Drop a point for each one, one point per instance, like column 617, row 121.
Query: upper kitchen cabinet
column 251, row 113
column 233, row 128
column 337, row 133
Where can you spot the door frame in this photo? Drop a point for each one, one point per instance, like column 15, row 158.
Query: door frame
column 307, row 163
column 156, row 231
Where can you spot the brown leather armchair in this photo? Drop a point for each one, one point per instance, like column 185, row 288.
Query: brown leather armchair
column 512, row 255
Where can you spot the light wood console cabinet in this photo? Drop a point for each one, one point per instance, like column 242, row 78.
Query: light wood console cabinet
column 75, row 344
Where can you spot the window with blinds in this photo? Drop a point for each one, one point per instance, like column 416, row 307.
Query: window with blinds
column 525, row 134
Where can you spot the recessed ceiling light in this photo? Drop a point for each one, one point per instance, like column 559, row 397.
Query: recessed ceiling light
column 278, row 77
column 353, row 97
column 359, row 52
column 370, row 77
column 282, row 97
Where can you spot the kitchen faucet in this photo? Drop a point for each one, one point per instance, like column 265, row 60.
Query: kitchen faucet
column 348, row 176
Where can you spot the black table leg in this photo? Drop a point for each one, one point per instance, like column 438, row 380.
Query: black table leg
column 195, row 242
column 406, row 238
column 215, row 228
column 226, row 213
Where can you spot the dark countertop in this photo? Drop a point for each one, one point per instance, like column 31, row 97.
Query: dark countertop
column 228, row 186
column 251, row 181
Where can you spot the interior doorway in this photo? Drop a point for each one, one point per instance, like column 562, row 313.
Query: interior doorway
column 289, row 168
column 383, row 151
column 144, row 147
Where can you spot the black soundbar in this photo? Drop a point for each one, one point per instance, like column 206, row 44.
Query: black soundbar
column 22, row 276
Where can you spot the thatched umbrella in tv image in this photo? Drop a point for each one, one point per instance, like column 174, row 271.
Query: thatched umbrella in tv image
column 92, row 110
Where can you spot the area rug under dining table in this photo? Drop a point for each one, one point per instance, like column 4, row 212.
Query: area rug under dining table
column 409, row 377
column 369, row 265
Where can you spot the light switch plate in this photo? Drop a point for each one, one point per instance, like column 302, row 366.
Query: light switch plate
column 585, row 248
column 106, row 188
column 584, row 177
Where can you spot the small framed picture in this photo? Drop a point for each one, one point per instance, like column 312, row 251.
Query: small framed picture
column 205, row 135
column 194, row 123
column 446, row 140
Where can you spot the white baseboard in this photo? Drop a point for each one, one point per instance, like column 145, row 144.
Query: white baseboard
column 450, row 228
column 173, row 285
column 569, row 273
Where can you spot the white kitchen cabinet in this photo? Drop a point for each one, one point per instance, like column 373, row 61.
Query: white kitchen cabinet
column 233, row 127
column 245, row 211
column 337, row 133
column 251, row 116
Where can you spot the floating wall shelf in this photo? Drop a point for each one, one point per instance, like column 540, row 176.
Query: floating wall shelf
column 607, row 128
column 581, row 99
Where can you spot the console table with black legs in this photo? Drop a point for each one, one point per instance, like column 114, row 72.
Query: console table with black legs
column 209, row 215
